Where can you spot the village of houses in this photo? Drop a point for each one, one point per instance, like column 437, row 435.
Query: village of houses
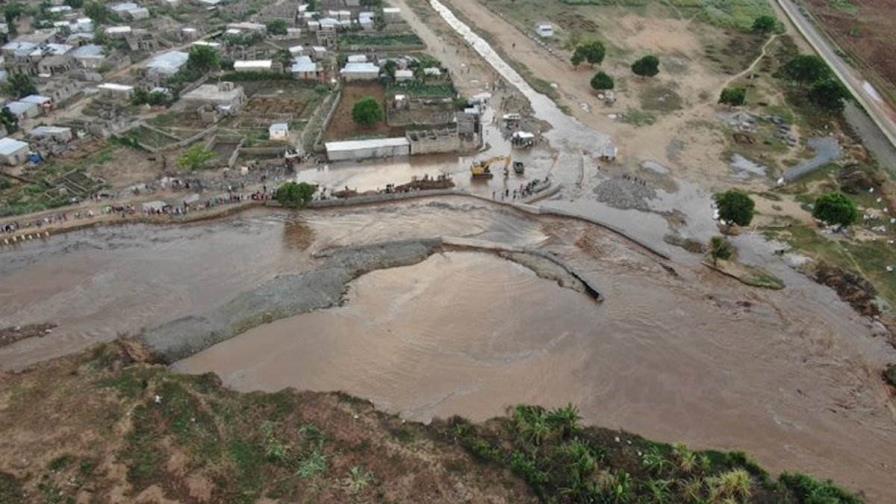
column 142, row 102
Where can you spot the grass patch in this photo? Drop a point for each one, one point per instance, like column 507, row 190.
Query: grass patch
column 638, row 118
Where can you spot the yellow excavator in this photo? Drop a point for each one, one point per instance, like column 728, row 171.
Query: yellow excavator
column 483, row 169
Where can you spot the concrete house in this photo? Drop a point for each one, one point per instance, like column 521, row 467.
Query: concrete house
column 304, row 69
column 360, row 71
column 51, row 133
column 223, row 95
column 253, row 66
column 544, row 30
column 13, row 152
column 115, row 92
column 129, row 10
column 44, row 102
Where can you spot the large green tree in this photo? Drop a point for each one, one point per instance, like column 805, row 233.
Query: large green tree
column 367, row 112
column 602, row 82
column 828, row 94
column 806, row 68
column 736, row 206
column 294, row 195
column 19, row 85
column 203, row 58
column 648, row 66
column 592, row 52
column 277, row 27
column 836, row 209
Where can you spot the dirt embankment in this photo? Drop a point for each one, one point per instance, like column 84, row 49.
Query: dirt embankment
column 145, row 434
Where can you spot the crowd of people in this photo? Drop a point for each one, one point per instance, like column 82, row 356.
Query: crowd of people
column 525, row 190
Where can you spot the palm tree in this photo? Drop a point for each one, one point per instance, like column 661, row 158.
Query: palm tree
column 565, row 420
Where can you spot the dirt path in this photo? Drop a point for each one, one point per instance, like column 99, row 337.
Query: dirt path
column 752, row 66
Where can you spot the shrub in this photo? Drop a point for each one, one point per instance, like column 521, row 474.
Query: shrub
column 765, row 24
column 734, row 96
column 835, row 209
column 196, row 157
column 810, row 491
column 367, row 112
column 736, row 206
column 720, row 248
column 890, row 374
column 648, row 66
column 294, row 195
column 601, row 81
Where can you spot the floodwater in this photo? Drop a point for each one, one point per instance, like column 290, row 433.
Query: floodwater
column 791, row 377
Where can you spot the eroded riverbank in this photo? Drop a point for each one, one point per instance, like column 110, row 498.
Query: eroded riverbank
column 791, row 377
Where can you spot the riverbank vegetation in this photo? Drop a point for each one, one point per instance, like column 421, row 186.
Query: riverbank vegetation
column 147, row 433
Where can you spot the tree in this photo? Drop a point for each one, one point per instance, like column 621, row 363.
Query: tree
column 75, row 4
column 806, row 68
column 593, row 52
column 648, row 66
column 828, row 94
column 601, row 81
column 735, row 206
column 765, row 24
column 203, row 58
column 720, row 248
column 734, row 96
column 9, row 121
column 836, row 209
column 277, row 27
column 367, row 112
column 11, row 14
column 195, row 158
column 294, row 195
column 97, row 12
column 389, row 67
column 19, row 85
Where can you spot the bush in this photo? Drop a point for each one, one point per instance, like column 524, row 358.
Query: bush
column 835, row 209
column 734, row 96
column 765, row 24
column 601, row 81
column 367, row 112
column 810, row 491
column 195, row 158
column 648, row 66
column 890, row 374
column 720, row 248
column 736, row 206
column 294, row 195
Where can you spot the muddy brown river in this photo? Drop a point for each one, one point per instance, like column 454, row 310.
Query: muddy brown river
column 790, row 376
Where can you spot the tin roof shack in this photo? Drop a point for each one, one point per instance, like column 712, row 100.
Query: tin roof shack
column 360, row 71
column 304, row 69
column 279, row 132
column 163, row 66
column 224, row 96
column 544, row 30
column 356, row 150
column 44, row 102
column 23, row 110
column 117, row 93
column 253, row 66
column 89, row 56
column 13, row 152
column 129, row 10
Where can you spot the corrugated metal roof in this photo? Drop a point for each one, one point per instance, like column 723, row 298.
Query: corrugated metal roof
column 350, row 145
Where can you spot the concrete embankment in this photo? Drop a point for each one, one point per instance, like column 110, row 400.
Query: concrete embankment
column 324, row 287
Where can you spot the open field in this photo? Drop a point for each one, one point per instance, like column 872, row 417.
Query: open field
column 863, row 29
column 343, row 127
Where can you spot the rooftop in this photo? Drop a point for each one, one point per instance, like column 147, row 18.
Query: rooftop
column 350, row 145
column 10, row 146
column 168, row 63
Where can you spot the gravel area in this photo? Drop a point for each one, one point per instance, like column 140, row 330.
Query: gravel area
column 625, row 193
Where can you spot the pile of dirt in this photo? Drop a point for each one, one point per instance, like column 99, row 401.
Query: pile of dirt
column 9, row 335
column 850, row 286
column 854, row 180
column 108, row 426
